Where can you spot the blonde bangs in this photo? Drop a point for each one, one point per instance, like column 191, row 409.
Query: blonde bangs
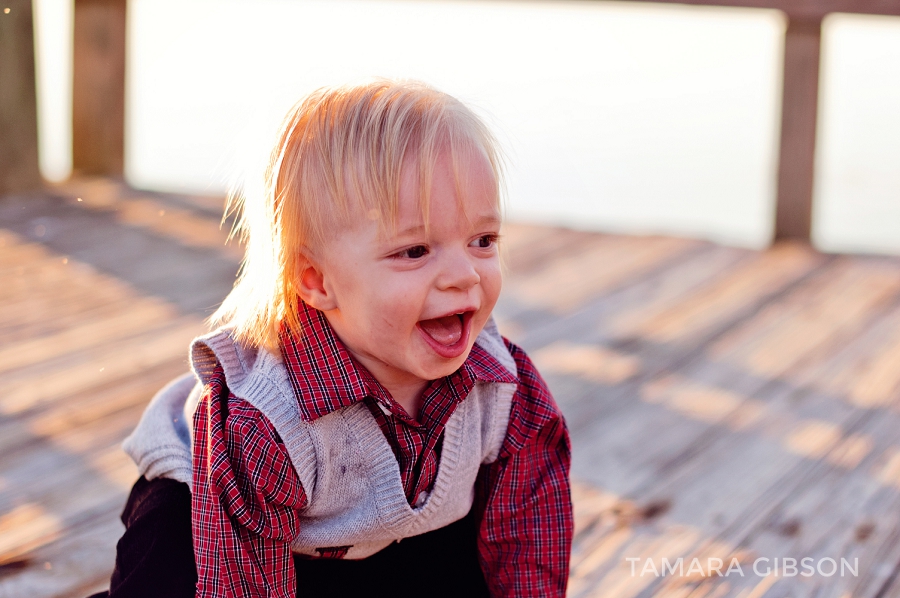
column 339, row 156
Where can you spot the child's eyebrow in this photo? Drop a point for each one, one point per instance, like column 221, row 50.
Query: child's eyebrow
column 418, row 229
column 411, row 231
column 487, row 221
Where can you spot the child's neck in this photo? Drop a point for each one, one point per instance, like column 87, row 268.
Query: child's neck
column 408, row 396
column 405, row 389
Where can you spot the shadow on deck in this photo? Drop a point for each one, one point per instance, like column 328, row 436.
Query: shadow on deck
column 723, row 403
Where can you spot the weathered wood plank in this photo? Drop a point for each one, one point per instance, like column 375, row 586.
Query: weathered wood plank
column 84, row 335
column 723, row 403
column 596, row 268
column 764, row 278
column 25, row 430
column 24, row 390
column 800, row 88
column 75, row 565
column 62, row 473
column 724, row 297
column 194, row 279
column 19, row 169
column 182, row 226
column 736, row 481
column 98, row 89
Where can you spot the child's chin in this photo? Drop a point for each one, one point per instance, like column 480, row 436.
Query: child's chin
column 441, row 367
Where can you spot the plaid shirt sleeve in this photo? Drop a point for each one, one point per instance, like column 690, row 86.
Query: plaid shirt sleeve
column 525, row 534
column 246, row 498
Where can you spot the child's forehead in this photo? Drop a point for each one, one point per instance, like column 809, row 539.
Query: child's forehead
column 413, row 217
column 449, row 189
column 449, row 184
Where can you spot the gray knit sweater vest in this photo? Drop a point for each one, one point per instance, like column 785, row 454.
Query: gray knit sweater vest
column 343, row 460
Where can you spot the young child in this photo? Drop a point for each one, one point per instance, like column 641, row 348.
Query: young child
column 359, row 425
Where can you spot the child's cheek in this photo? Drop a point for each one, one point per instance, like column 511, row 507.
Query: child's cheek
column 492, row 279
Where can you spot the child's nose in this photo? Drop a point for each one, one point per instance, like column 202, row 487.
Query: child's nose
column 458, row 272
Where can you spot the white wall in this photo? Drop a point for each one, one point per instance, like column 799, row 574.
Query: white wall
column 616, row 116
column 53, row 58
column 857, row 199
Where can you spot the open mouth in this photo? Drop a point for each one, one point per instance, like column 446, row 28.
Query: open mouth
column 448, row 335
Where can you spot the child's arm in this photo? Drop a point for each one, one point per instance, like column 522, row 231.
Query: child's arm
column 525, row 534
column 246, row 496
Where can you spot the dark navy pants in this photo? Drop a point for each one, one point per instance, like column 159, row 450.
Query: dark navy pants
column 155, row 558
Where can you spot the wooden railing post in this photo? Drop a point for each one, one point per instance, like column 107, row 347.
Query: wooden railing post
column 98, row 89
column 793, row 214
column 19, row 168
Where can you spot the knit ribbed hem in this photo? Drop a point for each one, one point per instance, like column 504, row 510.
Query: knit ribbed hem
column 384, row 471
column 166, row 461
column 501, row 405
column 269, row 389
column 261, row 379
column 218, row 347
column 491, row 341
column 160, row 444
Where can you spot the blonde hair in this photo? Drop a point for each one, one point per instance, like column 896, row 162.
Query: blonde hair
column 339, row 155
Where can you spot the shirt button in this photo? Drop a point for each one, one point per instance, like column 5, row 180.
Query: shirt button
column 383, row 408
column 420, row 500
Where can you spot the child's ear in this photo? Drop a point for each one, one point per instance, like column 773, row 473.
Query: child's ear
column 312, row 287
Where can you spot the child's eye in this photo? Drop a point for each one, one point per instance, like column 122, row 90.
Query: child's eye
column 484, row 241
column 413, row 253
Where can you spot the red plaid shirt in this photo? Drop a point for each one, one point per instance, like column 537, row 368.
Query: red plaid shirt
column 248, row 500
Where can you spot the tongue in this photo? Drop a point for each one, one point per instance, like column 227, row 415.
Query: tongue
column 446, row 331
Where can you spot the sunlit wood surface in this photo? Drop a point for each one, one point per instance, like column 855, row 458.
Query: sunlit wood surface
column 723, row 403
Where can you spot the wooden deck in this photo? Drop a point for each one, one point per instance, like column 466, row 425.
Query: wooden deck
column 723, row 403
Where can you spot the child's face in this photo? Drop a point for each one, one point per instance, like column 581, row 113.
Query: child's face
column 409, row 304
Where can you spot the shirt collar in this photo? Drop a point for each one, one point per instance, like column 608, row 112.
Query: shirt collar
column 326, row 378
